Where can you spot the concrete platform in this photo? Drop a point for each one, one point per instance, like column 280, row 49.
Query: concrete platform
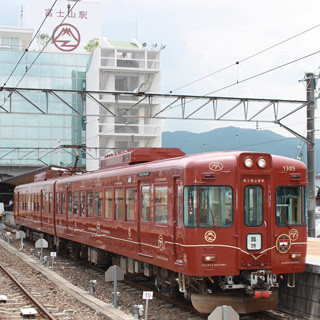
column 313, row 252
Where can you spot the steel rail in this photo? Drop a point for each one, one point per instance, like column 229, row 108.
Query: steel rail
column 41, row 308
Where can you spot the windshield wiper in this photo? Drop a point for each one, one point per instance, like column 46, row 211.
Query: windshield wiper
column 285, row 220
column 214, row 223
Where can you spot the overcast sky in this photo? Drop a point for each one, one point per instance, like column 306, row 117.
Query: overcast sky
column 203, row 36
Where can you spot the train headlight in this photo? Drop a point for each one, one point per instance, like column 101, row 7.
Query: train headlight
column 209, row 259
column 295, row 256
column 248, row 162
column 262, row 163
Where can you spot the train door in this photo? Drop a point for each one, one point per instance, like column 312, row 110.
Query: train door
column 144, row 219
column 177, row 231
column 254, row 222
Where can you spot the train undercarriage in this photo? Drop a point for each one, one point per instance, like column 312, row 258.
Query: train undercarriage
column 252, row 291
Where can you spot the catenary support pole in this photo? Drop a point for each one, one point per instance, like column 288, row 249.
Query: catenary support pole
column 311, row 153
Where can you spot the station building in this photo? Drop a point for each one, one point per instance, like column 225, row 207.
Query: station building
column 29, row 137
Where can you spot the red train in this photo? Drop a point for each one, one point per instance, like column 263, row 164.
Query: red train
column 220, row 227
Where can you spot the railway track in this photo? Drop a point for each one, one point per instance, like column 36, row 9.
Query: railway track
column 19, row 303
column 160, row 308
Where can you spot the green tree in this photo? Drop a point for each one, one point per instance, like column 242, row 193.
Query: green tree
column 92, row 45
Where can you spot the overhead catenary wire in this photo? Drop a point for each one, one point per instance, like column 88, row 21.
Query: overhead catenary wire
column 247, row 58
column 26, row 50
column 252, row 77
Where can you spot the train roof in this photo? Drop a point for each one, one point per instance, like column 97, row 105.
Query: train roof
column 150, row 158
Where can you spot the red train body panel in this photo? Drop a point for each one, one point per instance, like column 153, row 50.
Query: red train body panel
column 206, row 215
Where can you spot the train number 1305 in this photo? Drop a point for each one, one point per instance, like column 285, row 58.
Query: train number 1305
column 289, row 168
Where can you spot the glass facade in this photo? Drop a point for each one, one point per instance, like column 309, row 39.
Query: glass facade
column 28, row 137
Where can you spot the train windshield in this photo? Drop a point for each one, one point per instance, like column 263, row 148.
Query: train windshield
column 207, row 206
column 289, row 206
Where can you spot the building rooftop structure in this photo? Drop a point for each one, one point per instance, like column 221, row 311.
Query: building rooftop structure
column 35, row 126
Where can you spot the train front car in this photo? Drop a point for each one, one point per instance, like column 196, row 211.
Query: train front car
column 245, row 226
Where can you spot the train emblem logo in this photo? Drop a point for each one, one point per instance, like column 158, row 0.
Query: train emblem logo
column 161, row 243
column 210, row 236
column 294, row 234
column 66, row 37
column 129, row 232
column 283, row 243
column 216, row 166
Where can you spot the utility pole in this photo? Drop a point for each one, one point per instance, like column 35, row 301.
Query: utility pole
column 310, row 79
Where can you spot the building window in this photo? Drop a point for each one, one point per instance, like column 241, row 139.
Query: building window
column 161, row 203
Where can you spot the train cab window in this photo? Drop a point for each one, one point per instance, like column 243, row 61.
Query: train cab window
column 190, row 206
column 289, row 206
column 161, row 203
column 82, row 203
column 89, row 203
column 253, row 206
column 63, row 202
column 75, row 202
column 130, row 204
column 70, row 202
column 58, row 202
column 208, row 206
column 119, row 203
column 108, row 204
column 98, row 203
column 145, row 203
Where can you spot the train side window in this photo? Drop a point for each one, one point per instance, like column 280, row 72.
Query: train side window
column 50, row 202
column 130, row 193
column 145, row 203
column 178, row 205
column 29, row 202
column 253, row 206
column 46, row 202
column 82, row 203
column 69, row 202
column 119, row 203
column 89, row 203
column 161, row 203
column 108, row 204
column 75, row 202
column 190, row 206
column 98, row 203
column 42, row 202
column 289, row 203
column 58, row 202
column 63, row 202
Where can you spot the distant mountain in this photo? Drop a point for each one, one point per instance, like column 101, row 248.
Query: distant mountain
column 232, row 138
